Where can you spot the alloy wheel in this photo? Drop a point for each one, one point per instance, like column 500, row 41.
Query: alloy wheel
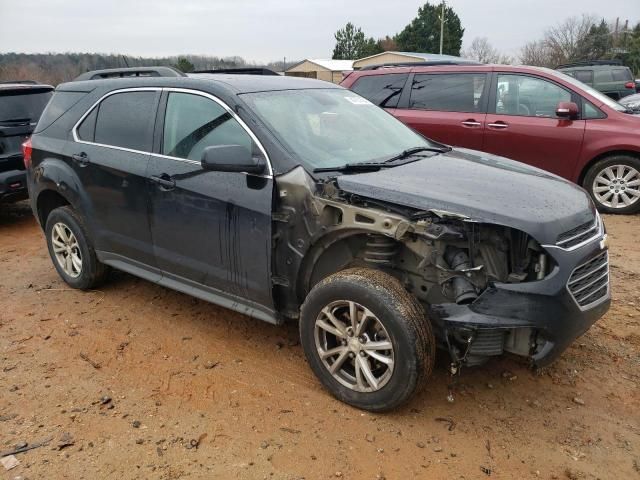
column 617, row 186
column 66, row 249
column 354, row 346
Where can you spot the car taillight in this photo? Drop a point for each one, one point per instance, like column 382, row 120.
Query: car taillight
column 630, row 85
column 26, row 153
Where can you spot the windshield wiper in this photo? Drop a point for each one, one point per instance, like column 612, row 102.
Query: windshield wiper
column 351, row 167
column 409, row 152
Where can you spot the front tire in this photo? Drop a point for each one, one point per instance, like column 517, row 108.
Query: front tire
column 366, row 338
column 614, row 184
column 71, row 251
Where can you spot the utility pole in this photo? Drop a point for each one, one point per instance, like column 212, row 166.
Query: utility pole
column 441, row 27
column 284, row 65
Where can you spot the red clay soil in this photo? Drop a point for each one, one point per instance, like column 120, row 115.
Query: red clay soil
column 138, row 381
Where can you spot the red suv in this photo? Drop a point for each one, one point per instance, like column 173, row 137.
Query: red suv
column 534, row 115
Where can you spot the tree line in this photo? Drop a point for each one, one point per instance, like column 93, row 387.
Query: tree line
column 575, row 39
column 55, row 68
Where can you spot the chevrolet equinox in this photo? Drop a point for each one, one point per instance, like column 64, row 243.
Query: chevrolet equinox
column 288, row 198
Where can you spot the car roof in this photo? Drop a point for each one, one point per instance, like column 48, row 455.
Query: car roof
column 592, row 67
column 418, row 68
column 236, row 84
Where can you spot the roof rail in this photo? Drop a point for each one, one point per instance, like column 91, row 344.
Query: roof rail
column 19, row 82
column 240, row 71
column 130, row 72
column 433, row 63
column 591, row 63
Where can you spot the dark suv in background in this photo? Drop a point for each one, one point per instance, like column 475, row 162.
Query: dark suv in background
column 537, row 116
column 289, row 198
column 607, row 76
column 21, row 104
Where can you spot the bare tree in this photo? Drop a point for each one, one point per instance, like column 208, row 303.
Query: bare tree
column 482, row 51
column 565, row 41
column 536, row 53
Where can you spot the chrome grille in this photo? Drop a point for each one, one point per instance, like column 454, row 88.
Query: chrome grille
column 578, row 235
column 590, row 281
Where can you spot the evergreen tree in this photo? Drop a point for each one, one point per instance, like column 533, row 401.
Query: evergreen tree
column 352, row 44
column 597, row 43
column 423, row 33
column 184, row 65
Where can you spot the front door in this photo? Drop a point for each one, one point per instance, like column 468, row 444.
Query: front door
column 448, row 107
column 110, row 155
column 210, row 229
column 522, row 124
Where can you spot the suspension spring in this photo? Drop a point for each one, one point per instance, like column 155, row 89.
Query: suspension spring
column 380, row 250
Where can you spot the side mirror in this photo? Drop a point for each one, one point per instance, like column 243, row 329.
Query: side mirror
column 568, row 110
column 231, row 158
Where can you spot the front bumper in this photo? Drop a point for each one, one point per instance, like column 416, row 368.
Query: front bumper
column 13, row 186
column 545, row 307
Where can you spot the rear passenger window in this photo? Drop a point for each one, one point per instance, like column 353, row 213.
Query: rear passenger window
column 87, row 129
column 585, row 76
column 122, row 120
column 193, row 123
column 383, row 90
column 603, row 76
column 459, row 92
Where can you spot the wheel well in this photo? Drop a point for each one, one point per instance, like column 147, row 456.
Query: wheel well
column 602, row 156
column 332, row 254
column 48, row 201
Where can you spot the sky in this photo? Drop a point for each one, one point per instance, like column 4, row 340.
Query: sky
column 266, row 30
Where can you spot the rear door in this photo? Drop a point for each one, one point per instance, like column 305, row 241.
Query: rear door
column 211, row 230
column 522, row 124
column 110, row 155
column 448, row 107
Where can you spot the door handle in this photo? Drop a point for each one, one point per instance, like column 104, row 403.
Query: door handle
column 499, row 125
column 164, row 180
column 81, row 159
column 471, row 123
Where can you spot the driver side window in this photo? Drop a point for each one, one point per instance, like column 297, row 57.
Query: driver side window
column 528, row 96
column 193, row 123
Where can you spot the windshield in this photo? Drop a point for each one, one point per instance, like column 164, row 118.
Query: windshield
column 26, row 106
column 609, row 102
column 328, row 128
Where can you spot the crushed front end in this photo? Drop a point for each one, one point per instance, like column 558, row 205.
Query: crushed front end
column 487, row 288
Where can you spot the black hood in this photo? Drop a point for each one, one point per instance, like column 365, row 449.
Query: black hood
column 483, row 187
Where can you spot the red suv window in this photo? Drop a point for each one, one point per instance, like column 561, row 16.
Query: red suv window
column 383, row 90
column 457, row 92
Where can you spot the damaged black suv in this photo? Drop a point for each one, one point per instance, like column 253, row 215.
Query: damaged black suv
column 287, row 198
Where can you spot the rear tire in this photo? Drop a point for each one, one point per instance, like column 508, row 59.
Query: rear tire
column 614, row 184
column 380, row 359
column 71, row 251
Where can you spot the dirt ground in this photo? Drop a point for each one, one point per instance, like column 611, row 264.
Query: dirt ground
column 138, row 381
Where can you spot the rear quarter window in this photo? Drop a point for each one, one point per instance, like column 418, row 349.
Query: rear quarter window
column 383, row 90
column 622, row 75
column 123, row 120
column 60, row 103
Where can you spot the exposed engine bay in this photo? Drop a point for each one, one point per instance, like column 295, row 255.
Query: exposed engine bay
column 440, row 257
